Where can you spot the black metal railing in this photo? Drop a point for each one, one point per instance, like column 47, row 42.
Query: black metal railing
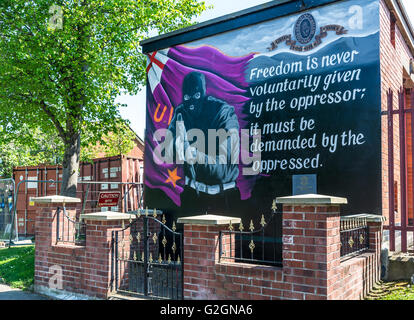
column 260, row 246
column 69, row 230
column 354, row 235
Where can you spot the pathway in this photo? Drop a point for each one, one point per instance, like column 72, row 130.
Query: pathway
column 8, row 293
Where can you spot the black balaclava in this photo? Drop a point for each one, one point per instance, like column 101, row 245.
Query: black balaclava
column 194, row 92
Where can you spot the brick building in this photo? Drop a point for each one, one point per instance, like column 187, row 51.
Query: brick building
column 397, row 72
column 396, row 75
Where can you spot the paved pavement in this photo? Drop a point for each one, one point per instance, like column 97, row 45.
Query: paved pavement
column 8, row 293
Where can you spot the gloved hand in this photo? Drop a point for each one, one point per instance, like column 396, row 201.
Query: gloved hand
column 180, row 145
column 181, row 142
column 191, row 155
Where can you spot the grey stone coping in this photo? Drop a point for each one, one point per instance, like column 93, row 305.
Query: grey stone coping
column 55, row 200
column 209, row 220
column 107, row 216
column 311, row 199
column 366, row 216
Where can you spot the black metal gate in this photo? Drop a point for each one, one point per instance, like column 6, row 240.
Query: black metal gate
column 147, row 258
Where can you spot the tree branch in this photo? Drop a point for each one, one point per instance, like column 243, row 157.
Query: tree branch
column 152, row 24
column 55, row 121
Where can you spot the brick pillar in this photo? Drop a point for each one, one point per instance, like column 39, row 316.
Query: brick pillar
column 98, row 267
column 46, row 236
column 201, row 252
column 82, row 272
column 311, row 245
column 375, row 227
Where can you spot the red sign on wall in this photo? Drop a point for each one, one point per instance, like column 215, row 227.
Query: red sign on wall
column 108, row 199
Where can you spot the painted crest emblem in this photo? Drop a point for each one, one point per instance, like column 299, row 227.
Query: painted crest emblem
column 304, row 37
column 305, row 28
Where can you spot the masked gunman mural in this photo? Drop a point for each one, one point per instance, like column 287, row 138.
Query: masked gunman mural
column 296, row 100
column 209, row 180
column 198, row 108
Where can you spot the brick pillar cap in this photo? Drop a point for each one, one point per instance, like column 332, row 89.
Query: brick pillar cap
column 311, row 199
column 366, row 216
column 55, row 200
column 107, row 216
column 209, row 220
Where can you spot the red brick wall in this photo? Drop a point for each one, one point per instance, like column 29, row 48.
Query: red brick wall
column 204, row 278
column 312, row 266
column 86, row 269
column 138, row 150
column 359, row 274
column 391, row 59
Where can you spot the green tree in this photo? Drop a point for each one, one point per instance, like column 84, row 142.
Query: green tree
column 111, row 144
column 63, row 63
column 31, row 147
column 27, row 147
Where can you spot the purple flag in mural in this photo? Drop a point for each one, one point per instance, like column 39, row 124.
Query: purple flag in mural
column 166, row 70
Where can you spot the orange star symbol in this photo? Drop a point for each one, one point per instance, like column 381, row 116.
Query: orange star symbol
column 173, row 177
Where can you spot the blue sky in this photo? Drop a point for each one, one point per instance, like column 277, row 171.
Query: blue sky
column 135, row 112
column 239, row 42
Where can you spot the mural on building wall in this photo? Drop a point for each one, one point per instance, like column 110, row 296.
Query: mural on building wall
column 302, row 90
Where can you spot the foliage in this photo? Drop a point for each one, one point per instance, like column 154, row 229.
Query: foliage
column 111, row 144
column 17, row 266
column 63, row 78
column 31, row 148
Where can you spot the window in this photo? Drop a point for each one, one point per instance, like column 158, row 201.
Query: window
column 392, row 30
